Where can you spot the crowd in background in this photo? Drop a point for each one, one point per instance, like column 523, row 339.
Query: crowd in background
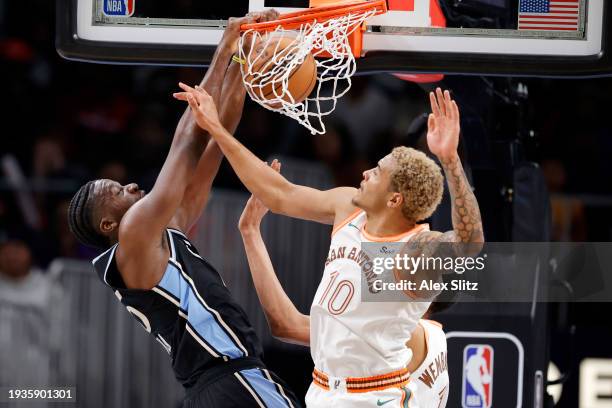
column 67, row 122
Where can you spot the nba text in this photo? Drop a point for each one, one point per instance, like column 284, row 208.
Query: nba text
column 115, row 6
column 118, row 8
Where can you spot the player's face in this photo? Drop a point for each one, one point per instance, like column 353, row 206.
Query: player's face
column 115, row 198
column 374, row 190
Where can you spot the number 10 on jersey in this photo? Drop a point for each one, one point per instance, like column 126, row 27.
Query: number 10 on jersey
column 338, row 299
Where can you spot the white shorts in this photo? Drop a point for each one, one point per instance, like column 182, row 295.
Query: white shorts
column 393, row 397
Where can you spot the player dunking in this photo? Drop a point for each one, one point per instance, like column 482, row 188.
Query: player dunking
column 428, row 365
column 359, row 347
column 158, row 274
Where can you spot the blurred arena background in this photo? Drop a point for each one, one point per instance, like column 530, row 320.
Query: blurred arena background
column 66, row 122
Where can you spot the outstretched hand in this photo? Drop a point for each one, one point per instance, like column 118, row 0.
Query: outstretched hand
column 202, row 105
column 443, row 125
column 255, row 210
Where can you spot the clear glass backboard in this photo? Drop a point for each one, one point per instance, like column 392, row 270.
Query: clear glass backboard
column 506, row 37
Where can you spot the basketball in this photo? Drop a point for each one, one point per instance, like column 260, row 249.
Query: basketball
column 268, row 84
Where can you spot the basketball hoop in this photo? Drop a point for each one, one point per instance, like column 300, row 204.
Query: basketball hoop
column 332, row 34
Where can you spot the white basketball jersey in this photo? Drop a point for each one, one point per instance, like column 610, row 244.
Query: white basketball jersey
column 351, row 338
column 431, row 378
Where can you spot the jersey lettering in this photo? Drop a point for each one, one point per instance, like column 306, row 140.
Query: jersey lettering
column 433, row 371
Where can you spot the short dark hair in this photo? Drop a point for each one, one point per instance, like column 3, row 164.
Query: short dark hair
column 80, row 218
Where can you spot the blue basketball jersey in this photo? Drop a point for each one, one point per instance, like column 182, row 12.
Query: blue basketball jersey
column 190, row 311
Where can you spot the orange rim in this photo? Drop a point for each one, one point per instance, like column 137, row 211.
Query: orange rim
column 296, row 19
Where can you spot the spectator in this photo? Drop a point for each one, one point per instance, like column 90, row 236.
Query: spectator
column 20, row 282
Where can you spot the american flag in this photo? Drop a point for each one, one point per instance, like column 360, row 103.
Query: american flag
column 557, row 15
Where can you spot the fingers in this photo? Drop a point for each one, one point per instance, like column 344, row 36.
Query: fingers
column 247, row 19
column 270, row 15
column 198, row 93
column 440, row 99
column 254, row 209
column 276, row 165
column 185, row 87
column 455, row 109
column 435, row 109
column 254, row 15
column 262, row 16
column 202, row 96
column 452, row 110
column 181, row 96
column 184, row 96
column 193, row 104
column 443, row 104
column 448, row 106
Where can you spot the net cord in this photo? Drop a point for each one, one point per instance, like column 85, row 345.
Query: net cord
column 267, row 78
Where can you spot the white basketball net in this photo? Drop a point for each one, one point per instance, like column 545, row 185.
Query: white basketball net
column 334, row 70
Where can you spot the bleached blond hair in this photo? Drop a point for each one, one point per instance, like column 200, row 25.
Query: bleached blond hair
column 419, row 180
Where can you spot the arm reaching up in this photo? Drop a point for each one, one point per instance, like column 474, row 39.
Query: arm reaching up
column 285, row 321
column 139, row 256
column 466, row 238
column 443, row 140
column 276, row 192
column 230, row 97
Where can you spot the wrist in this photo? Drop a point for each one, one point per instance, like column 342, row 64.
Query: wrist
column 448, row 158
column 249, row 228
column 229, row 42
column 216, row 130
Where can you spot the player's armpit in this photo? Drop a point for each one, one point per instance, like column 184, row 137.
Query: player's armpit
column 145, row 271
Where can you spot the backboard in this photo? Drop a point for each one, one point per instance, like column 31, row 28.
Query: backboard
column 501, row 37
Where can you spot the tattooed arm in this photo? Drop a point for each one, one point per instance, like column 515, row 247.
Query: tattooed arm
column 466, row 238
column 443, row 140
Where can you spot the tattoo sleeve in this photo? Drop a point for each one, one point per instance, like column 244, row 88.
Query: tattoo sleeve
column 467, row 223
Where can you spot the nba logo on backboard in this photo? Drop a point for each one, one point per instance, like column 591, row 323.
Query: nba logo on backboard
column 118, row 8
column 477, row 388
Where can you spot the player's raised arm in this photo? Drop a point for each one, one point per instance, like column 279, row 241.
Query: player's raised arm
column 443, row 140
column 285, row 321
column 230, row 97
column 152, row 214
column 276, row 192
column 466, row 238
